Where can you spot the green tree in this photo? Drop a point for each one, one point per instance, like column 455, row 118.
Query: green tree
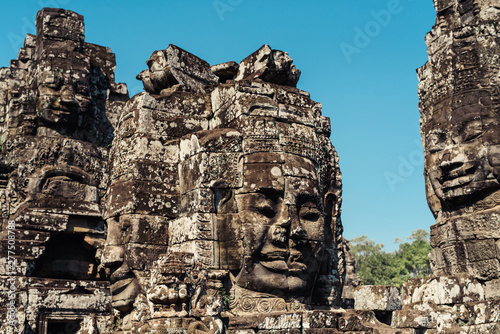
column 376, row 267
column 362, row 247
column 414, row 254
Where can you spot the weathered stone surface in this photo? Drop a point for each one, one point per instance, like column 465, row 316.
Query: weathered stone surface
column 410, row 318
column 175, row 69
column 240, row 191
column 270, row 66
column 225, row 71
column 492, row 289
column 364, row 322
column 443, row 290
column 460, row 129
column 377, row 298
column 352, row 279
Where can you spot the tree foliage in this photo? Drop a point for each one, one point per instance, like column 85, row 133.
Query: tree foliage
column 376, row 267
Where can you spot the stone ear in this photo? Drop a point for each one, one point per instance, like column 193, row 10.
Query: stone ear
column 228, row 227
column 432, row 199
column 223, row 198
column 330, row 212
column 330, row 207
column 494, row 160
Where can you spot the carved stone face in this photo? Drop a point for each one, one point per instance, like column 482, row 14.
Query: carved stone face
column 63, row 99
column 463, row 149
column 281, row 214
column 124, row 284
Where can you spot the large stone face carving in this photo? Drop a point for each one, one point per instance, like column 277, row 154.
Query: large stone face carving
column 460, row 126
column 222, row 190
column 463, row 152
column 284, row 229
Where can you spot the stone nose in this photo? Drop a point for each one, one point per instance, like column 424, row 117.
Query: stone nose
column 68, row 95
column 112, row 256
column 278, row 232
column 451, row 160
column 288, row 219
column 284, row 217
column 297, row 231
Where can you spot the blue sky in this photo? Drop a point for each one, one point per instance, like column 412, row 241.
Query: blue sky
column 358, row 58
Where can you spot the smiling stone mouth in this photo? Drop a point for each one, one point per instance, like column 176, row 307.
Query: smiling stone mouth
column 275, row 259
column 282, row 260
column 458, row 177
column 276, row 254
column 276, row 265
column 457, row 182
column 297, row 267
column 121, row 285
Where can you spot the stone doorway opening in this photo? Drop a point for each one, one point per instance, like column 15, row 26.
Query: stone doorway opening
column 60, row 321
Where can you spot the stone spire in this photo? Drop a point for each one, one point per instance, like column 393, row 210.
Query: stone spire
column 59, row 104
column 460, row 125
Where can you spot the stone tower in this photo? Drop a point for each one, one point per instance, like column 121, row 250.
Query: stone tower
column 460, row 125
column 224, row 196
column 59, row 105
column 460, row 128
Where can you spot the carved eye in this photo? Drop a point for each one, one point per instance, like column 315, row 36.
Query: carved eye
column 266, row 208
column 310, row 216
column 266, row 203
column 49, row 89
column 435, row 141
column 472, row 130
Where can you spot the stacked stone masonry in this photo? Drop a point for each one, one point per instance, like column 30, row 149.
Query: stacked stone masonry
column 210, row 202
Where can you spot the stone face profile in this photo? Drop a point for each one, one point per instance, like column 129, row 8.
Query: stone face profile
column 460, row 126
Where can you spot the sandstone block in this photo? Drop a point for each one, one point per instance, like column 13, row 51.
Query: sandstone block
column 377, row 298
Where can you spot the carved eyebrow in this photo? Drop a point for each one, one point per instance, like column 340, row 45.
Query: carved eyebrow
column 304, row 198
column 271, row 193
